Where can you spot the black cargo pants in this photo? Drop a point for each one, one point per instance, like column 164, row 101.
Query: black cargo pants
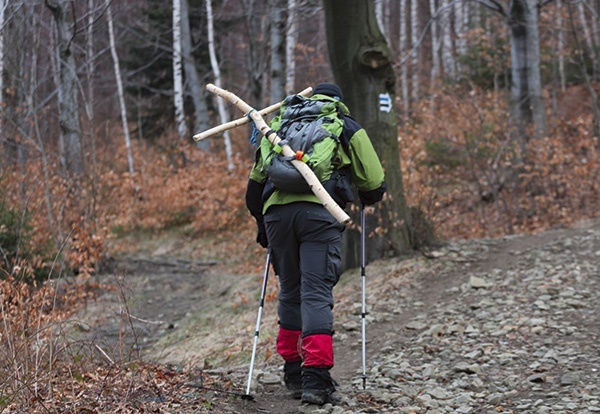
column 305, row 241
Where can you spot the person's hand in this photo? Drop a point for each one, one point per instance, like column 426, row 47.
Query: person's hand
column 261, row 238
column 371, row 197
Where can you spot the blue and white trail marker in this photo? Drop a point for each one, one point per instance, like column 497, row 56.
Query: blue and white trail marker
column 385, row 102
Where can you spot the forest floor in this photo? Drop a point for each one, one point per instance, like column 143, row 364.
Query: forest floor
column 506, row 325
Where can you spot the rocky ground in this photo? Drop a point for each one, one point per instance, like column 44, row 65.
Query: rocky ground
column 482, row 326
column 487, row 326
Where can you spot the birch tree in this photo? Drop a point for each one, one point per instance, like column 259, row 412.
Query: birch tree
column 178, row 71
column 382, row 12
column 256, row 47
column 435, row 46
column 277, row 79
column 2, row 13
column 403, row 50
column 560, row 45
column 461, row 21
column 291, row 40
column 217, row 73
column 70, row 139
column 368, row 82
column 587, row 34
column 192, row 78
column 90, row 69
column 447, row 44
column 414, row 37
column 120, row 91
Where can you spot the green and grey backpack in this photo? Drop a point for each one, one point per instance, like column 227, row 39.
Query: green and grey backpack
column 312, row 128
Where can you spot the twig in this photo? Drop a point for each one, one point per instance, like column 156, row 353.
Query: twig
column 104, row 354
column 126, row 313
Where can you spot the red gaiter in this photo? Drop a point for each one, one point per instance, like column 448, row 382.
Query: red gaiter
column 318, row 351
column 287, row 345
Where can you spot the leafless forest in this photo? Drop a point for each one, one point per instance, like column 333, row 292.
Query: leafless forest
column 497, row 128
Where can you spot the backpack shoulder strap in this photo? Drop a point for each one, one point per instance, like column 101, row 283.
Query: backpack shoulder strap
column 346, row 132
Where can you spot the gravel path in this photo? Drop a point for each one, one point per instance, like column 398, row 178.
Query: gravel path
column 485, row 326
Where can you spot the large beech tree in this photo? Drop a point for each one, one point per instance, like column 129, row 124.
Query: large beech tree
column 362, row 66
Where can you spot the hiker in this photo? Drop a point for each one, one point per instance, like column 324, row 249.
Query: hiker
column 305, row 242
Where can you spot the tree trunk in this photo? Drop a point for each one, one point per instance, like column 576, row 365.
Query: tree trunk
column 202, row 123
column 588, row 38
column 447, row 46
column 588, row 81
column 560, row 45
column 2, row 7
column 525, row 53
column 291, row 40
column 178, row 71
column 362, row 66
column 256, row 49
column 115, row 56
column 460, row 25
column 70, row 140
column 595, row 10
column 403, row 49
column 217, row 72
column 382, row 12
column 277, row 81
column 89, row 104
column 414, row 37
column 435, row 49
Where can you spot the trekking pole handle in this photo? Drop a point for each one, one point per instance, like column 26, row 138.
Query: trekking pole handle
column 243, row 120
column 313, row 182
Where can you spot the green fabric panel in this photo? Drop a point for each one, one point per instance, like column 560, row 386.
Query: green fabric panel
column 367, row 173
column 366, row 170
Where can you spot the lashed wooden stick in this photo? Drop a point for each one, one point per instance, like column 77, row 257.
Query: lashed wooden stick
column 244, row 120
column 313, row 182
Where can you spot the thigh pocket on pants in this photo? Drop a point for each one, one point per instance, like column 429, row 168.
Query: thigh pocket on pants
column 271, row 225
column 334, row 262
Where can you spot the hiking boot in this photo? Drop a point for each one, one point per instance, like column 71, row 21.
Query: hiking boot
column 320, row 397
column 292, row 376
column 318, row 387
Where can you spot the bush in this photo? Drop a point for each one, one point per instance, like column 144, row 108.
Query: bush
column 14, row 236
column 17, row 251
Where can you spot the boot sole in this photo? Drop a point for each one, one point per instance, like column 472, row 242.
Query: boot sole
column 311, row 398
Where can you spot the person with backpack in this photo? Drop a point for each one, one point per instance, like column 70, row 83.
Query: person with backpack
column 304, row 238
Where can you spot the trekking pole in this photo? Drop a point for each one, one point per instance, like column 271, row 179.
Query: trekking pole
column 363, row 278
column 247, row 396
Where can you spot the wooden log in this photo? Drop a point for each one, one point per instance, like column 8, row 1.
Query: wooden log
column 313, row 182
column 244, row 120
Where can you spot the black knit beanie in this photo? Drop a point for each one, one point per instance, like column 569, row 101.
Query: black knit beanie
column 329, row 89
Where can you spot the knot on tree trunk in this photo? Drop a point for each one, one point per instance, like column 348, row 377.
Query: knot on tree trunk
column 374, row 58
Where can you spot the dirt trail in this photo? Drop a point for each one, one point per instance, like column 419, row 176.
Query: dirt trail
column 184, row 313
